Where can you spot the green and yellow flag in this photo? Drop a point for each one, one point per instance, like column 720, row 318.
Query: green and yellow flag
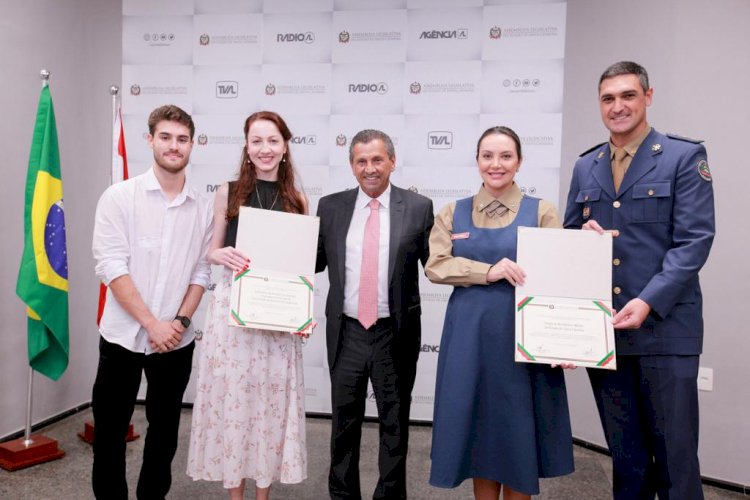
column 43, row 277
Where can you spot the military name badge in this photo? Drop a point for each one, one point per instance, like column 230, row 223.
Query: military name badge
column 704, row 171
column 586, row 212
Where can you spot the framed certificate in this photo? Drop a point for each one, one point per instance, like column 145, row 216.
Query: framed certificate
column 560, row 329
column 275, row 292
column 272, row 301
column 564, row 309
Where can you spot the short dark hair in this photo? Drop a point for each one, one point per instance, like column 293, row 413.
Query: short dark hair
column 502, row 130
column 367, row 135
column 626, row 68
column 170, row 113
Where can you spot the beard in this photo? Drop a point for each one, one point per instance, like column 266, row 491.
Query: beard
column 170, row 166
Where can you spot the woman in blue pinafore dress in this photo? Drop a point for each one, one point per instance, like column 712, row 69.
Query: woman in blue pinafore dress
column 503, row 424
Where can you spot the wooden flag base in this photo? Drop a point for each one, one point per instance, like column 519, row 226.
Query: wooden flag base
column 16, row 455
column 88, row 433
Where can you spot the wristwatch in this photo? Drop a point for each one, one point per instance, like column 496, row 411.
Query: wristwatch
column 184, row 320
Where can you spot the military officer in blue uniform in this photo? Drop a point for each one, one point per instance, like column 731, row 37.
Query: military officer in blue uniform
column 654, row 192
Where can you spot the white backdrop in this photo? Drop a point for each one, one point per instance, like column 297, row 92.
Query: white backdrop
column 432, row 74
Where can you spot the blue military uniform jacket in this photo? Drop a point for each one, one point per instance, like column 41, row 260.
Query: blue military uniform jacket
column 665, row 214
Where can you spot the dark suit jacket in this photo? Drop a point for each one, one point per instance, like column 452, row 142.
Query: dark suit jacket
column 665, row 214
column 411, row 219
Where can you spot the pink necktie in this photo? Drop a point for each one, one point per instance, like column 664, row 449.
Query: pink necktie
column 368, row 275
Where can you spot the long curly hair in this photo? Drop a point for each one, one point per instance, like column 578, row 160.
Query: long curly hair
column 290, row 196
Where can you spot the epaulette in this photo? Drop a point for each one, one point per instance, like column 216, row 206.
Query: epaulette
column 686, row 139
column 593, row 148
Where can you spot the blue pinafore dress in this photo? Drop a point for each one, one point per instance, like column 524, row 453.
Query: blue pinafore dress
column 494, row 418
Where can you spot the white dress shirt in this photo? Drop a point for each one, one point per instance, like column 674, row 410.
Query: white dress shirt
column 354, row 240
column 162, row 245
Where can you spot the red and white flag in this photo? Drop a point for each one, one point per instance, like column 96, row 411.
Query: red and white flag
column 119, row 173
column 119, row 157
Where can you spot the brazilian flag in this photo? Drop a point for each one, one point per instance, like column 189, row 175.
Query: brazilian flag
column 43, row 277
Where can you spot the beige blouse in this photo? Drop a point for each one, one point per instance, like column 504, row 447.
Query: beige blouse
column 443, row 268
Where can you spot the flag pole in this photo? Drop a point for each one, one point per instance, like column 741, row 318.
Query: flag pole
column 27, row 441
column 87, row 435
column 114, row 90
column 22, row 453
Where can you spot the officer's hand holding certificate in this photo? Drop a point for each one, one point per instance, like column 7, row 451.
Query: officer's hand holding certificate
column 564, row 307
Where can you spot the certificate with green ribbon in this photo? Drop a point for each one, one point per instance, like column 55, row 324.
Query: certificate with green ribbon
column 564, row 308
column 276, row 290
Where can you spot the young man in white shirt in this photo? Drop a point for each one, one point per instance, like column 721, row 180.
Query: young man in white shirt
column 151, row 235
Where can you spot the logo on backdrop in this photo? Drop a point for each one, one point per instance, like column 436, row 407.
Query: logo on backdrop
column 312, row 191
column 341, row 140
column 441, row 87
column 436, row 296
column 247, row 38
column 413, row 189
column 451, row 193
column 369, row 36
column 523, row 31
column 212, row 188
column 227, row 89
column 440, row 139
column 167, row 90
column 537, row 140
column 430, row 348
column 459, row 34
column 158, row 39
column 522, row 84
column 422, row 399
column 528, row 189
column 305, row 140
column 380, row 88
column 295, row 88
column 220, row 140
column 308, row 37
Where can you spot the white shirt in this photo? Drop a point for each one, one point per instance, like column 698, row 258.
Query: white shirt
column 162, row 245
column 354, row 240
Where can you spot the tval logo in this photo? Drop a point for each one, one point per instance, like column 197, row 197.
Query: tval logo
column 227, row 89
column 440, row 139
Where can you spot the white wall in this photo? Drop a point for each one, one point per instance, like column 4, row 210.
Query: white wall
column 696, row 54
column 78, row 41
column 694, row 50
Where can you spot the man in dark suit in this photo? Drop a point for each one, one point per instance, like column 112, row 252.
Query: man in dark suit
column 372, row 239
column 654, row 191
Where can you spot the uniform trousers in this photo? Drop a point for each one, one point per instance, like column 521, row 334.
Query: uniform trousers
column 369, row 355
column 118, row 379
column 649, row 412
